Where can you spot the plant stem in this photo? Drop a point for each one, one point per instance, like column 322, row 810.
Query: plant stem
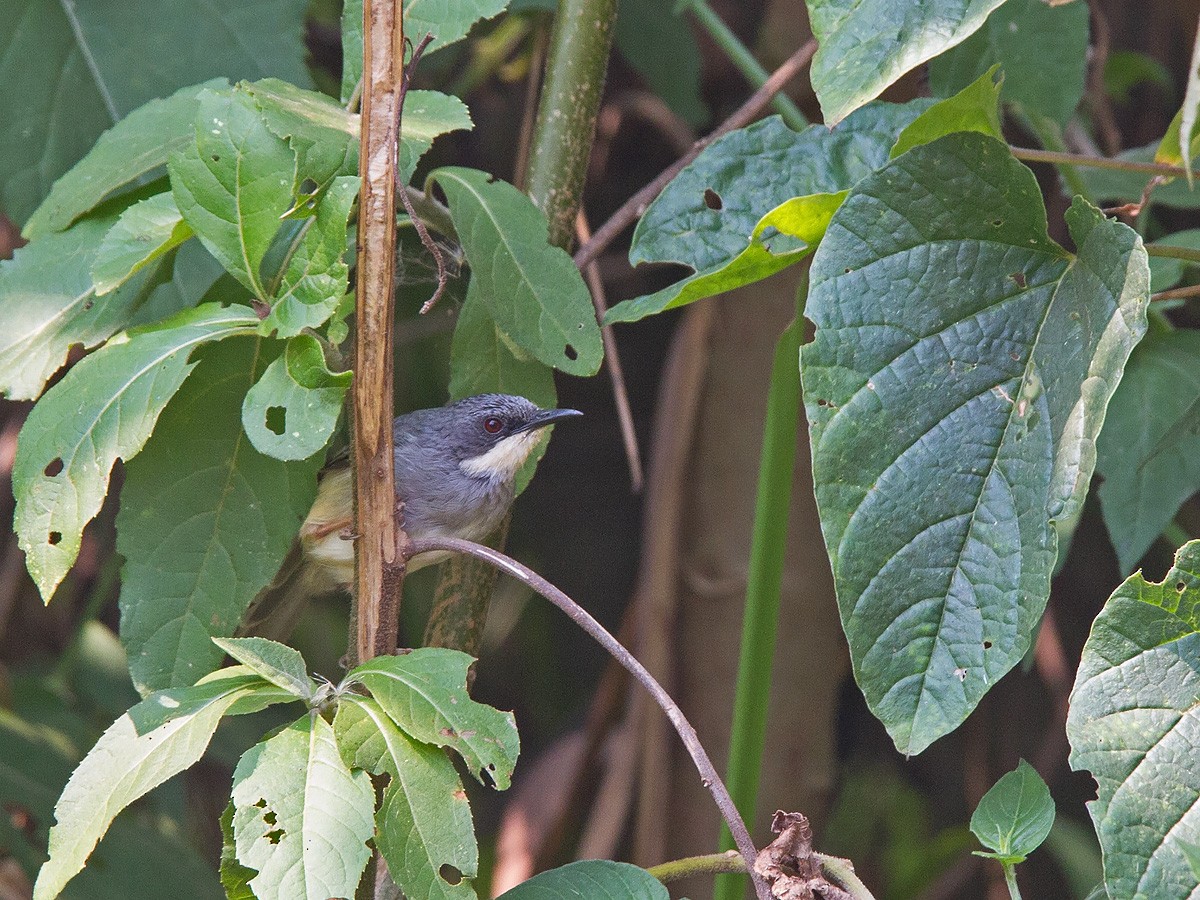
column 1182, row 293
column 1173, row 252
column 1010, row 880
column 1176, row 534
column 709, row 864
column 584, row 619
column 768, row 547
column 1097, row 162
column 566, row 123
column 843, row 873
column 745, row 61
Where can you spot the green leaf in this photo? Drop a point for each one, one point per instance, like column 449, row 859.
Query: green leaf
column 145, row 232
column 425, row 693
column 1015, row 815
column 235, row 877
column 1132, row 725
column 659, row 44
column 48, row 305
column 102, row 410
column 315, row 278
column 205, row 521
column 1042, row 49
column 975, row 108
column 1149, row 450
column 427, row 115
column 274, row 662
column 785, row 235
column 1165, row 271
column 160, row 737
column 301, row 818
column 127, row 152
column 71, row 72
column 233, row 183
column 866, row 45
column 1113, row 184
column 424, row 824
column 590, row 878
column 1126, row 69
column 951, row 433
column 1182, row 132
column 532, row 289
column 298, row 388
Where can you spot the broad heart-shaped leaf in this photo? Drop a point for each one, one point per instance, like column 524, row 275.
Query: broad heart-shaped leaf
column 785, row 235
column 48, row 304
column 299, row 389
column 1149, row 451
column 975, row 108
column 144, row 232
column 103, row 410
column 1133, row 724
column 1015, row 815
column 959, row 375
column 133, row 148
column 532, row 289
column 315, row 278
column 424, row 823
column 866, row 45
column 274, row 662
column 71, row 72
column 301, row 818
column 161, row 736
column 1042, row 49
column 425, row 693
column 233, row 183
column 205, row 521
column 590, row 878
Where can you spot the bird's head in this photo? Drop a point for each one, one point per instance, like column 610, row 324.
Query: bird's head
column 493, row 434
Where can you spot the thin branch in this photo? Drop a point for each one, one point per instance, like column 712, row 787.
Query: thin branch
column 1098, row 162
column 581, row 617
column 1183, row 293
column 1169, row 252
column 744, row 115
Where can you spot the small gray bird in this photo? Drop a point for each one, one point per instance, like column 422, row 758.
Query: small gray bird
column 455, row 468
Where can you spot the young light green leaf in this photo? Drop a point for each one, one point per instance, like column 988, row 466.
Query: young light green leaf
column 161, row 736
column 1042, row 48
column 291, row 412
column 315, row 277
column 1186, row 137
column 785, row 235
column 975, row 108
column 131, row 149
column 274, row 662
column 301, row 818
column 102, row 410
column 1149, row 450
column 233, row 183
column 423, row 827
column 866, row 45
column 425, row 693
column 532, row 289
column 1015, row 815
column 205, row 521
column 590, row 878
column 1131, row 722
column 951, row 433
column 144, row 233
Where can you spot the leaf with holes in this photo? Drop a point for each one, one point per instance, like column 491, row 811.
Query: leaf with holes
column 103, row 410
column 590, row 878
column 1132, row 724
column 532, row 289
column 975, row 108
column 301, row 818
column 423, row 827
column 1015, row 815
column 233, row 183
column 307, row 396
column 205, row 521
column 951, row 430
column 144, row 233
column 425, row 693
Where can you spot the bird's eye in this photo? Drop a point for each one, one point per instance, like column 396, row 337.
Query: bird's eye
column 492, row 425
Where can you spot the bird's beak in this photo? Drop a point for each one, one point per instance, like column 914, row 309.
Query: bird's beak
column 547, row 417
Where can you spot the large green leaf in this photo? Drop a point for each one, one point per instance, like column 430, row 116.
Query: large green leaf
column 423, row 827
column 959, row 376
column 425, row 693
column 1133, row 725
column 161, row 736
column 657, row 41
column 144, row 233
column 590, row 878
column 205, row 522
column 865, row 45
column 532, row 289
column 1015, row 815
column 69, row 71
column 103, row 410
column 1149, row 450
column 301, row 818
column 1042, row 49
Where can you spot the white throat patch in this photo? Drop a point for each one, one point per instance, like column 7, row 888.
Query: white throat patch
column 503, row 460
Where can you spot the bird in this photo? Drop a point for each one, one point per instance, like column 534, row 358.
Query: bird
column 455, row 468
